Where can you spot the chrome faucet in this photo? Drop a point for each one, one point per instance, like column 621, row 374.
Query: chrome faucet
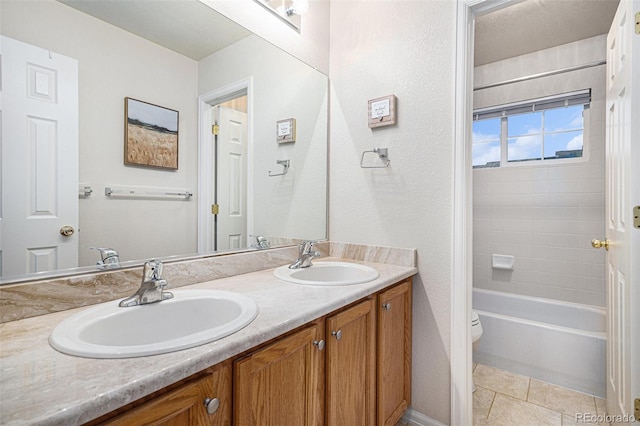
column 305, row 255
column 151, row 289
column 109, row 257
column 261, row 242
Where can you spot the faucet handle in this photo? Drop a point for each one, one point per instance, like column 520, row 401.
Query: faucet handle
column 262, row 242
column 105, row 253
column 152, row 270
column 306, row 247
column 109, row 257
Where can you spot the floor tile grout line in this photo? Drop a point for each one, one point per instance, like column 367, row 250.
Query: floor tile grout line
column 561, row 413
column 491, row 407
column 555, row 411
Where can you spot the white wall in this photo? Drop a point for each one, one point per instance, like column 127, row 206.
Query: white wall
column 545, row 215
column 310, row 44
column 113, row 64
column 406, row 48
column 293, row 205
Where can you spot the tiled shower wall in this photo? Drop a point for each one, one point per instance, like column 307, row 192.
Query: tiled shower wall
column 544, row 215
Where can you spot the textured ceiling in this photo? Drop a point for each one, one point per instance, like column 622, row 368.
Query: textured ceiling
column 534, row 25
column 188, row 27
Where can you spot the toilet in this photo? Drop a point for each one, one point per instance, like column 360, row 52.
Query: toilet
column 476, row 331
column 476, row 327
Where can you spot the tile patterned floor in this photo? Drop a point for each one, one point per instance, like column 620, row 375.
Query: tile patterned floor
column 507, row 399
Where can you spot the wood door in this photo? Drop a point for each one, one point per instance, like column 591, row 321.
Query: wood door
column 39, row 152
column 351, row 361
column 282, row 384
column 231, row 179
column 623, row 194
column 394, row 353
column 184, row 406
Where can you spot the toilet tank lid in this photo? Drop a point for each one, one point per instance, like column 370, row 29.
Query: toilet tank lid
column 474, row 317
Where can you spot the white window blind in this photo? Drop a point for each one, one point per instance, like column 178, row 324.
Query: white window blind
column 581, row 97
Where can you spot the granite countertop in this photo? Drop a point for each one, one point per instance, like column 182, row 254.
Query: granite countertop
column 39, row 385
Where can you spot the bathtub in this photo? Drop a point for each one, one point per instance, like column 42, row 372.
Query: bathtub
column 556, row 342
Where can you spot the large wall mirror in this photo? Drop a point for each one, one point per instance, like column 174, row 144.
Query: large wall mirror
column 67, row 68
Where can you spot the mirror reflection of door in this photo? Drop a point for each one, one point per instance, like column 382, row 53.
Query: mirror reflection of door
column 38, row 228
column 230, row 176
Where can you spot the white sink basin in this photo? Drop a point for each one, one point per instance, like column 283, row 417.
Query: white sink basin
column 328, row 274
column 191, row 318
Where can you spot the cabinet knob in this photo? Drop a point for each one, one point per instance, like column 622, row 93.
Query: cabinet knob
column 319, row 344
column 212, row 405
column 386, row 306
column 338, row 334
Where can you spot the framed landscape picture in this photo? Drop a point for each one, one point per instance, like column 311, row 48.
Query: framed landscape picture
column 150, row 135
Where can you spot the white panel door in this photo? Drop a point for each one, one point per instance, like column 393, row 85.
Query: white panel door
column 623, row 193
column 231, row 178
column 39, row 148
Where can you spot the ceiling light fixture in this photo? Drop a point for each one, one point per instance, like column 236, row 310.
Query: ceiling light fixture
column 298, row 7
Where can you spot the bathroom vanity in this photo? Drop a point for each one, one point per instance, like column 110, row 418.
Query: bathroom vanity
column 288, row 380
column 311, row 352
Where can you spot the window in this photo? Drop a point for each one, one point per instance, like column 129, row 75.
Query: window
column 539, row 130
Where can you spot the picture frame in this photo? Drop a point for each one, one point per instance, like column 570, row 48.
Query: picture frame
column 286, row 130
column 150, row 135
column 382, row 111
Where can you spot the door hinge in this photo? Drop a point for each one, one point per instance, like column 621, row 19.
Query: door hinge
column 636, row 407
column 215, row 129
column 636, row 217
column 638, row 23
column 215, row 209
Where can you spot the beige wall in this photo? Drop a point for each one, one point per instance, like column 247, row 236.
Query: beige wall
column 406, row 48
column 113, row 64
column 545, row 214
column 293, row 205
column 377, row 48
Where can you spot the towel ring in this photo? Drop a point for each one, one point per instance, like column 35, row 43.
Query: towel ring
column 382, row 153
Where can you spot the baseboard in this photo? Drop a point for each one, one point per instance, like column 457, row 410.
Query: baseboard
column 414, row 418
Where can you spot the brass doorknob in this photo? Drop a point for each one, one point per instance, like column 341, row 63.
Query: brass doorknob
column 598, row 244
column 67, row 230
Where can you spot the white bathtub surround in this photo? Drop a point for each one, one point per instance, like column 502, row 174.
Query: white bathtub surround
column 544, row 215
column 557, row 342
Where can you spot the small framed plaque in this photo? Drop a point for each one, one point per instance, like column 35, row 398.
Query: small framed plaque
column 286, row 130
column 382, row 111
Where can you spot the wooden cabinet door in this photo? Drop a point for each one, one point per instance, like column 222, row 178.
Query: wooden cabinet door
column 351, row 375
column 394, row 353
column 184, row 405
column 283, row 383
